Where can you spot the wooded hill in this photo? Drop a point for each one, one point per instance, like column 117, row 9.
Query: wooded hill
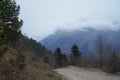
column 31, row 45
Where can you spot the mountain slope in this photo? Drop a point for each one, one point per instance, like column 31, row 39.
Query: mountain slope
column 86, row 40
column 31, row 45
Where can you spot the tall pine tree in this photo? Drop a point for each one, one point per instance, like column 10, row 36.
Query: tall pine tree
column 10, row 23
column 75, row 55
column 58, row 57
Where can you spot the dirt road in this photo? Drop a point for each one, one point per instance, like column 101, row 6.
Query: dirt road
column 74, row 73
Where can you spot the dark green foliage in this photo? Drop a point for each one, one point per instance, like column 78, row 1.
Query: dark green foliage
column 1, row 34
column 46, row 59
column 10, row 23
column 3, row 50
column 12, row 61
column 21, row 57
column 75, row 51
column 64, row 60
column 31, row 46
column 20, row 60
column 58, row 57
column 75, row 55
column 22, row 66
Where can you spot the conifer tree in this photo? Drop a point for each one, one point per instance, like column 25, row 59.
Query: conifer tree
column 75, row 55
column 58, row 57
column 10, row 23
column 64, row 60
column 75, row 50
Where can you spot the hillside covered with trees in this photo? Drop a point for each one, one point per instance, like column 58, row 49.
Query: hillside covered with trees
column 20, row 57
column 23, row 58
column 31, row 45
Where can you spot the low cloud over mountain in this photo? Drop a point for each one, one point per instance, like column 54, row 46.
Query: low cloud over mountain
column 85, row 39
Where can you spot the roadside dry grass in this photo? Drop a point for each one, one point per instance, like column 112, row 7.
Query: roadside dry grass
column 39, row 74
column 35, row 69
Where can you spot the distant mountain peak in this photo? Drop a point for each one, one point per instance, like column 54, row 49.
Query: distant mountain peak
column 84, row 38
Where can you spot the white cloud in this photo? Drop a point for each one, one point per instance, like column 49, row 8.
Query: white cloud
column 42, row 17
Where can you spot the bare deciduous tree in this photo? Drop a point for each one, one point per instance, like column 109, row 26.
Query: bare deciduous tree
column 99, row 48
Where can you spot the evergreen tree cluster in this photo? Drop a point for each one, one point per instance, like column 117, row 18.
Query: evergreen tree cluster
column 31, row 45
column 63, row 59
column 111, row 62
column 10, row 33
column 75, row 55
column 60, row 58
column 10, row 23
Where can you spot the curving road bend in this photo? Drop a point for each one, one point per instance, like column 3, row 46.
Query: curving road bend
column 75, row 73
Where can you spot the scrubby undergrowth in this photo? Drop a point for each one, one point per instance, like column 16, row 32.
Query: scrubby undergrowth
column 34, row 68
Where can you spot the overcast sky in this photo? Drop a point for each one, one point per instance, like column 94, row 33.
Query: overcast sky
column 43, row 17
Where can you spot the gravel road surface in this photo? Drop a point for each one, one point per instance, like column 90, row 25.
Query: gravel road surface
column 75, row 73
